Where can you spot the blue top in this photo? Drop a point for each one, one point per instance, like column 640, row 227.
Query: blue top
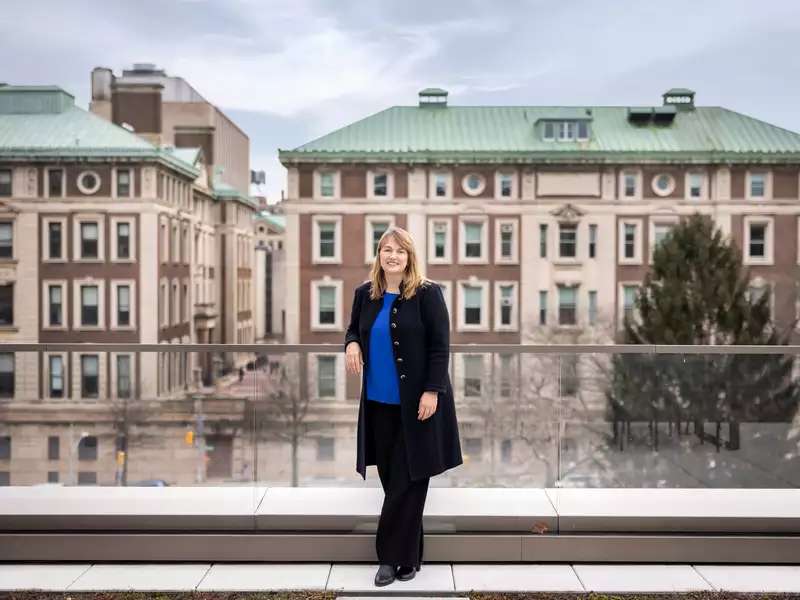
column 382, row 385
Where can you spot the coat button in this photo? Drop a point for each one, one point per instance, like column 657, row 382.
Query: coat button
column 394, row 310
column 399, row 359
column 403, row 376
column 394, row 324
column 397, row 343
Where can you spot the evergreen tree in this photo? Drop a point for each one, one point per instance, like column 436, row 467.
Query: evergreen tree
column 696, row 293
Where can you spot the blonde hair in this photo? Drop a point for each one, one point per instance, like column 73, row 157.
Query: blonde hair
column 412, row 279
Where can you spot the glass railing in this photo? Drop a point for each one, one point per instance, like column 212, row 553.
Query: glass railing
column 285, row 415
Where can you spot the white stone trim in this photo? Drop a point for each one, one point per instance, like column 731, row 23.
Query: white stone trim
column 98, row 219
column 462, row 245
column 46, row 239
column 64, row 285
column 621, row 184
column 652, row 221
column 461, row 322
column 315, row 239
column 514, row 325
column 514, row 174
column 432, row 184
column 371, row 184
column 499, row 223
column 769, row 239
column 337, row 309
column 115, row 284
column 77, row 324
column 447, row 292
column 767, row 185
column 131, row 221
column 163, row 306
column 83, row 188
column 670, row 188
column 448, row 237
column 557, row 257
column 637, row 242
column 337, row 184
column 175, row 301
column 369, row 222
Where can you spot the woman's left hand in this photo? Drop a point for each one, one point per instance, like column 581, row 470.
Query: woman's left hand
column 427, row 405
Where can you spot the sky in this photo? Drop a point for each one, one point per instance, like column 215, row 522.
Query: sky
column 289, row 72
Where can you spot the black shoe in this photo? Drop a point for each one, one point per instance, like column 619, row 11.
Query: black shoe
column 406, row 573
column 385, row 575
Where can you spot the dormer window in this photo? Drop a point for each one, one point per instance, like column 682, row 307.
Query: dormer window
column 566, row 130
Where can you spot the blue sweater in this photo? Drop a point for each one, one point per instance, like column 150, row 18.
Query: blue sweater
column 382, row 384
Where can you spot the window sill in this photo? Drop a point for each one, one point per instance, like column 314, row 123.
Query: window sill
column 468, row 328
column 89, row 260
column 121, row 328
column 506, row 261
column 322, row 261
column 123, row 261
column 630, row 261
column 567, row 262
column 88, row 328
column 336, row 328
column 448, row 261
column 758, row 261
column 8, row 261
column 9, row 328
column 55, row 328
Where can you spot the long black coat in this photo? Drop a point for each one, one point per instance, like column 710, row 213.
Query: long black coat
column 420, row 333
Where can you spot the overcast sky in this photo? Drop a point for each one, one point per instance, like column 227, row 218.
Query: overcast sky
column 288, row 72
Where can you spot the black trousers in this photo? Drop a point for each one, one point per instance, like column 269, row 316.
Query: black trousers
column 399, row 538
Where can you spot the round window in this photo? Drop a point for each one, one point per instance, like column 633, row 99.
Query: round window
column 663, row 184
column 88, row 182
column 474, row 183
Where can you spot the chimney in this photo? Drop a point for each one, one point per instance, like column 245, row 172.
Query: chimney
column 434, row 97
column 680, row 98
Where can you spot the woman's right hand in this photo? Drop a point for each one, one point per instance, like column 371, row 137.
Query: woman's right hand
column 353, row 358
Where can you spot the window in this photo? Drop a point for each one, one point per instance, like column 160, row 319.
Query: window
column 542, row 307
column 87, row 449
column 56, row 377
column 326, row 376
column 89, row 305
column 326, row 185
column 473, row 447
column 440, row 185
column 327, row 304
column 506, row 185
column 629, row 182
column 660, row 230
column 325, row 448
column 90, row 370
column 506, row 304
column 55, row 183
column 55, row 237
column 123, row 183
column 583, row 130
column 566, row 305
column 506, row 240
column 543, row 240
column 592, row 240
column 567, row 240
column 124, row 376
column 87, row 478
column 505, row 451
column 505, row 375
column 473, row 372
column 164, row 295
column 89, row 246
column 549, row 130
column 7, row 304
column 5, row 183
column 472, row 305
column 327, row 239
column 566, row 130
column 378, row 228
column 568, row 379
column 630, row 240
column 53, row 449
column 695, row 185
column 123, row 305
column 5, row 447
column 757, row 289
column 6, row 374
column 439, row 240
column 55, row 297
column 472, row 240
column 758, row 240
column 629, row 298
column 758, row 184
column 592, row 307
column 123, row 240
column 88, row 182
column 6, row 239
column 380, row 184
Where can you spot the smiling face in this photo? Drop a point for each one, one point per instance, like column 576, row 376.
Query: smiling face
column 393, row 256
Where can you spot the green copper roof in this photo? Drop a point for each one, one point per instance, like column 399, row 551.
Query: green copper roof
column 509, row 134
column 42, row 123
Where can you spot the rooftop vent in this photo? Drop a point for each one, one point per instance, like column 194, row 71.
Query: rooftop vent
column 433, row 97
column 680, row 98
column 143, row 69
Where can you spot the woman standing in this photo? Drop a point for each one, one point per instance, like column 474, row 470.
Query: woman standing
column 400, row 331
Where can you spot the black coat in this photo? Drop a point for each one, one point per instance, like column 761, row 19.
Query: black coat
column 421, row 348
